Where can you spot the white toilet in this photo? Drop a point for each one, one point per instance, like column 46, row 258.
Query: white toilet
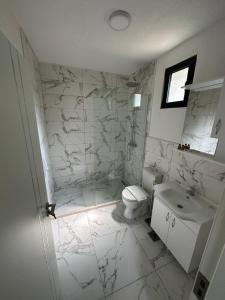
column 137, row 199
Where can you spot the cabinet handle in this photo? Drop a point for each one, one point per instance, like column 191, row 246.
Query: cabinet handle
column 173, row 223
column 167, row 217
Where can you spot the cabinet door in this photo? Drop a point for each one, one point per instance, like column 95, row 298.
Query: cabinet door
column 181, row 242
column 160, row 219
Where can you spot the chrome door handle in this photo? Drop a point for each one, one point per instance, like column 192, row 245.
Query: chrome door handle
column 167, row 217
column 50, row 210
column 173, row 223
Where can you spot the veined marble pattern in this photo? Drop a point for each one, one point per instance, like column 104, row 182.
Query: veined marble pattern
column 85, row 112
column 196, row 173
column 101, row 255
column 135, row 155
column 76, row 197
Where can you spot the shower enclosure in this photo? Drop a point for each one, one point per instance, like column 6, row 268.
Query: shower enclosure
column 90, row 127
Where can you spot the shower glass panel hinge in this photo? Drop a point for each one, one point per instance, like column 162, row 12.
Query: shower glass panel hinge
column 50, row 210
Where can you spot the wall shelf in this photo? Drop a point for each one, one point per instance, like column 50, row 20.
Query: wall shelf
column 206, row 85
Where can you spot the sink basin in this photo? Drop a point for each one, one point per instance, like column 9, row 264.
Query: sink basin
column 179, row 202
column 192, row 208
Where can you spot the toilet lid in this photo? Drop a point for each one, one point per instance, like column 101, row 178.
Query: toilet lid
column 134, row 193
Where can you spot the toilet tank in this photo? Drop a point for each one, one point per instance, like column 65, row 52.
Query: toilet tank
column 150, row 177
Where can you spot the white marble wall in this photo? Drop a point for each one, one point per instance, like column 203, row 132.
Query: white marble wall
column 199, row 121
column 86, row 113
column 135, row 155
column 194, row 172
column 34, row 71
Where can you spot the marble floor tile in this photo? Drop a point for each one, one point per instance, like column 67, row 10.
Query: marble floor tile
column 101, row 255
column 146, row 288
column 72, row 199
column 178, row 283
column 120, row 259
column 69, row 200
column 102, row 221
column 76, row 259
column 156, row 251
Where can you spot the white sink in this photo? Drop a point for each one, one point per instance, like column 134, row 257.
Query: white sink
column 180, row 202
column 183, row 205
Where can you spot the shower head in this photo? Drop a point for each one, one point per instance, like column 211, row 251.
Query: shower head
column 132, row 84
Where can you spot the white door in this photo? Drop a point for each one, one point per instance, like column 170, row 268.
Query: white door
column 160, row 219
column 216, row 289
column 181, row 242
column 24, row 241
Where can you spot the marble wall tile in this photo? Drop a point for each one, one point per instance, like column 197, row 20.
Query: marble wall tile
column 202, row 164
column 194, row 172
column 91, row 118
column 145, row 76
column 99, row 91
column 199, row 183
column 158, row 163
column 99, row 78
column 159, row 147
column 84, row 107
column 62, row 88
column 135, row 156
column 63, row 101
column 60, row 73
column 71, row 180
column 64, row 115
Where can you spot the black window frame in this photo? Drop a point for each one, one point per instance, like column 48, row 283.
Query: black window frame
column 187, row 63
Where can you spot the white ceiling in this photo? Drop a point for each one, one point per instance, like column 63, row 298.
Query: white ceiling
column 74, row 32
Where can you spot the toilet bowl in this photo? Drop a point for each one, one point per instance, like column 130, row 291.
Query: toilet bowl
column 137, row 199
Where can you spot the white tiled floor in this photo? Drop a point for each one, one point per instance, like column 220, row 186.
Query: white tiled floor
column 102, row 256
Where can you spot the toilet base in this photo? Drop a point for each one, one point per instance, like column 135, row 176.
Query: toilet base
column 133, row 213
column 129, row 213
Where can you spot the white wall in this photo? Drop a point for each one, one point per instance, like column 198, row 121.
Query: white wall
column 209, row 45
column 9, row 27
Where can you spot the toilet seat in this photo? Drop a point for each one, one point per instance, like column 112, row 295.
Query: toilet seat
column 134, row 193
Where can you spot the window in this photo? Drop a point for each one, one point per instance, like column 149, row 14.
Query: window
column 175, row 78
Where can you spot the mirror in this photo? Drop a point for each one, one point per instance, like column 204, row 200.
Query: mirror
column 199, row 120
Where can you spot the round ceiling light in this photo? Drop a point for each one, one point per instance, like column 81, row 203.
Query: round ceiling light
column 119, row 20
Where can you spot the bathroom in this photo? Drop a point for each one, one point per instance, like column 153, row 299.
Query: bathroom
column 132, row 180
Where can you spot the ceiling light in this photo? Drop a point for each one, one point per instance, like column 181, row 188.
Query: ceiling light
column 119, row 20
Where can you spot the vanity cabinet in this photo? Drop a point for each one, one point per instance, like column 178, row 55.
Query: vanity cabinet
column 160, row 220
column 185, row 239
